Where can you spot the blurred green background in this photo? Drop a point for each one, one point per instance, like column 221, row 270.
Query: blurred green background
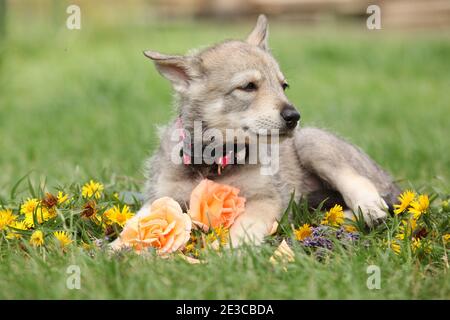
column 84, row 103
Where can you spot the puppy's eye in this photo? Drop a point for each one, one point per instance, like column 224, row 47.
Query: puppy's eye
column 285, row 85
column 251, row 86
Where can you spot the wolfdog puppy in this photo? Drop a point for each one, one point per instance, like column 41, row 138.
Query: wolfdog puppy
column 239, row 85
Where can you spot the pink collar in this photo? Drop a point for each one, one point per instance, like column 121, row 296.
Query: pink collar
column 221, row 162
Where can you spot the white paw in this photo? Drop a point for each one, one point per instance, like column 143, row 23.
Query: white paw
column 249, row 233
column 373, row 208
column 360, row 194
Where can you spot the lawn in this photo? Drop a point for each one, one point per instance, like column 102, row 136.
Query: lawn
column 80, row 105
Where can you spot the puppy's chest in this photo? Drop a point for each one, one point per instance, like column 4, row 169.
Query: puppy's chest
column 286, row 177
column 247, row 178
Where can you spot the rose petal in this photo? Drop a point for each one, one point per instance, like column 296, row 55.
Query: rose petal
column 283, row 254
column 214, row 204
column 191, row 260
column 164, row 227
column 274, row 228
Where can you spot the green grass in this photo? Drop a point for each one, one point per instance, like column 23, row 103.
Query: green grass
column 224, row 274
column 82, row 104
column 223, row 277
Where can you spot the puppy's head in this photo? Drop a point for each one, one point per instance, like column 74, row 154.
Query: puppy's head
column 232, row 85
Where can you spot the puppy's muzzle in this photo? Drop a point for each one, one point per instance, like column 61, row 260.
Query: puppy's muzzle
column 290, row 115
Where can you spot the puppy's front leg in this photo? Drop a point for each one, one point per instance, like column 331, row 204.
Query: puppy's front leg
column 359, row 193
column 256, row 222
column 346, row 169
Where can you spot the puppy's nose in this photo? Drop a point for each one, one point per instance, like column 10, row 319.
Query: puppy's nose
column 290, row 115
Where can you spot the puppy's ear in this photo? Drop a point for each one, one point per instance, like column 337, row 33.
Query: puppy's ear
column 260, row 34
column 179, row 70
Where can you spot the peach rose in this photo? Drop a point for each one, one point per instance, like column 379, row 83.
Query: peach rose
column 213, row 204
column 164, row 227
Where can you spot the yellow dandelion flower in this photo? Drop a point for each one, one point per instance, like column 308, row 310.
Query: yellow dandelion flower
column 86, row 246
column 37, row 238
column 115, row 215
column 189, row 247
column 92, row 189
column 13, row 235
column 219, row 234
column 415, row 244
column 29, row 221
column 350, row 228
column 123, row 216
column 62, row 197
column 99, row 221
column 446, row 238
column 303, row 232
column 16, row 225
column 6, row 218
column 210, row 238
column 395, row 247
column 49, row 214
column 29, row 206
column 63, row 238
column 192, row 249
column 223, row 234
column 334, row 216
column 405, row 199
column 420, row 206
column 110, row 215
column 400, row 236
column 13, row 227
column 407, row 228
column 411, row 223
column 42, row 214
column 19, row 225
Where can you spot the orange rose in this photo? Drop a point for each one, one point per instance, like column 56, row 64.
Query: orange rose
column 164, row 227
column 213, row 204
